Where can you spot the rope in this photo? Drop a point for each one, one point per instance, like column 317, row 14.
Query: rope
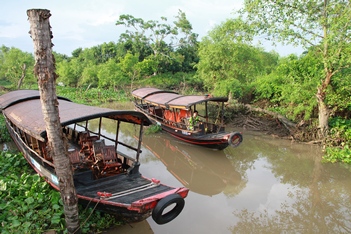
column 89, row 214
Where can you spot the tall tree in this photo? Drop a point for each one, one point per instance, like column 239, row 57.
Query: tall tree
column 45, row 71
column 111, row 75
column 228, row 64
column 161, row 37
column 14, row 66
column 323, row 25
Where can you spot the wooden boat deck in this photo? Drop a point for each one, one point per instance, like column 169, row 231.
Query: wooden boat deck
column 123, row 188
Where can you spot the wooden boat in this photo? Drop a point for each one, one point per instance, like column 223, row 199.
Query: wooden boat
column 173, row 112
column 106, row 165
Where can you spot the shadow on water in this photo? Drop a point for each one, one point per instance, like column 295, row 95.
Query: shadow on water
column 203, row 171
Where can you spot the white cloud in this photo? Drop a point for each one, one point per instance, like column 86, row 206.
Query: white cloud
column 85, row 23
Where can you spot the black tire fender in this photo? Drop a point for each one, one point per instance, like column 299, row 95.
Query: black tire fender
column 235, row 139
column 157, row 213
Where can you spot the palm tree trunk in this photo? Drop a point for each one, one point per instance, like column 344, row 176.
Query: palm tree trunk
column 44, row 69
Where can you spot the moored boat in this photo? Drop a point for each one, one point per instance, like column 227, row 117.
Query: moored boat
column 105, row 165
column 195, row 119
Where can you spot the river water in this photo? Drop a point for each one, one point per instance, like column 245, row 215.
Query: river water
column 266, row 185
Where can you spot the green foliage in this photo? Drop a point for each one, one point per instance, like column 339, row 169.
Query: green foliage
column 29, row 205
column 4, row 134
column 66, row 72
column 228, row 65
column 339, row 92
column 335, row 154
column 5, row 83
column 179, row 81
column 27, row 202
column 319, row 27
column 157, row 40
column 339, row 141
column 59, row 57
column 94, row 221
column 15, row 64
column 89, row 76
column 92, row 96
column 110, row 74
column 146, row 67
column 153, row 129
column 292, row 86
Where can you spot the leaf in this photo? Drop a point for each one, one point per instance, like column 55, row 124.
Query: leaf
column 29, row 200
column 16, row 223
column 3, row 185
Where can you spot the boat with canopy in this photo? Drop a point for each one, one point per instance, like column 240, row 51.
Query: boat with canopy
column 195, row 119
column 105, row 164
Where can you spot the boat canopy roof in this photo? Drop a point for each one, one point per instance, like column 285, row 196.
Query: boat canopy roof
column 16, row 96
column 23, row 108
column 170, row 99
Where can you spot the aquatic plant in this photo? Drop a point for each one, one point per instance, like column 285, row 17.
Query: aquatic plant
column 29, row 204
column 153, row 129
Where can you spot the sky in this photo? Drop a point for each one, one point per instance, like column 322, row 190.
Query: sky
column 87, row 23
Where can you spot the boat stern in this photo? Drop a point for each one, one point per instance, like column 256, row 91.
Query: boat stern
column 159, row 202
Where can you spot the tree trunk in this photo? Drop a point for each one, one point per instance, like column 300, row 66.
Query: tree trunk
column 44, row 69
column 24, row 69
column 323, row 113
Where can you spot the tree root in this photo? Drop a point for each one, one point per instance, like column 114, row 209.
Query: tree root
column 258, row 119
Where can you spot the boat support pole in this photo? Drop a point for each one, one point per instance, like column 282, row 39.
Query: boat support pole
column 136, row 165
column 140, row 140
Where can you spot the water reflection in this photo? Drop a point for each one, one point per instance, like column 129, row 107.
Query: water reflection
column 304, row 196
column 280, row 187
column 203, row 171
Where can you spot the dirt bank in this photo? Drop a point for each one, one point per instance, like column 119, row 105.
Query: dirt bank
column 259, row 119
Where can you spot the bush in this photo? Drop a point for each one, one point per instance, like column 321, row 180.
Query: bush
column 29, row 204
column 4, row 134
column 180, row 81
column 92, row 96
column 339, row 141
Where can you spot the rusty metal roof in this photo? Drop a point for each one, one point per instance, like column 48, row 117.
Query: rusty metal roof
column 171, row 99
column 26, row 113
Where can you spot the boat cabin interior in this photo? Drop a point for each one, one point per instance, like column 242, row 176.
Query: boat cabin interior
column 180, row 118
column 87, row 151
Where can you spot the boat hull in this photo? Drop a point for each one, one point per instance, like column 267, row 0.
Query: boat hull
column 85, row 193
column 213, row 141
column 105, row 165
column 217, row 141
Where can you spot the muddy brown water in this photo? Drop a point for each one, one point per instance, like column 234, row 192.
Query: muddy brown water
column 266, row 185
